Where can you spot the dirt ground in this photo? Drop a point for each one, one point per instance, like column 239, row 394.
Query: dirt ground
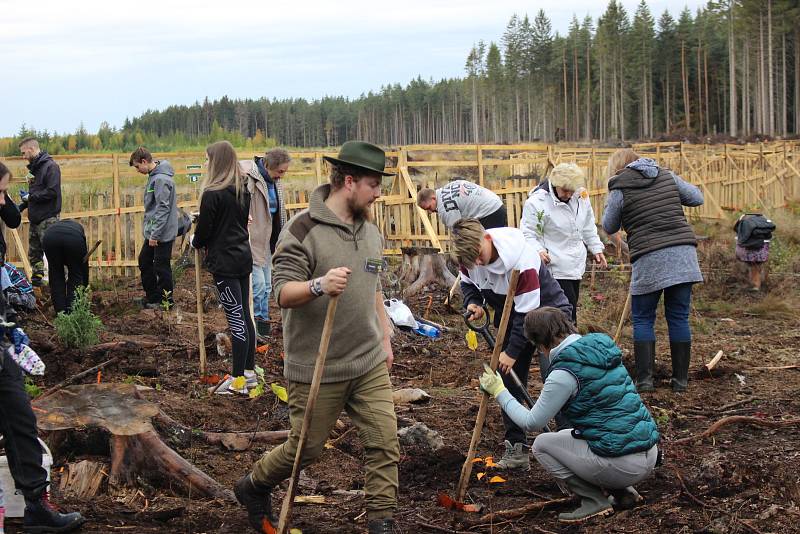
column 742, row 479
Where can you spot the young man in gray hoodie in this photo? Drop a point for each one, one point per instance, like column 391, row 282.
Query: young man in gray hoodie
column 160, row 228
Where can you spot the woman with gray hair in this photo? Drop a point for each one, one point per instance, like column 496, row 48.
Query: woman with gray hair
column 647, row 202
column 558, row 222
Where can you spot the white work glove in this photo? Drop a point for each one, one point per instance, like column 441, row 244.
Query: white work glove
column 191, row 240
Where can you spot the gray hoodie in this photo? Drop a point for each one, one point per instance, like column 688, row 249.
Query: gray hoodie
column 461, row 199
column 160, row 206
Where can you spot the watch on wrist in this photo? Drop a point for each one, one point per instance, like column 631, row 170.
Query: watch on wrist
column 316, row 287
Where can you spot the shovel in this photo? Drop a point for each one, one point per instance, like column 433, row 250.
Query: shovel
column 466, row 469
column 319, row 367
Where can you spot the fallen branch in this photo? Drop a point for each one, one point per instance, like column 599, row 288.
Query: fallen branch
column 234, row 441
column 686, row 490
column 78, row 376
column 714, row 361
column 523, row 510
column 123, row 344
column 736, row 419
column 774, row 368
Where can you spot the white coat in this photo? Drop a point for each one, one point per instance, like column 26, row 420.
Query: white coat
column 563, row 229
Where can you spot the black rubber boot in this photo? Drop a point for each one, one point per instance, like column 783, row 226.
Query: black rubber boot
column 681, row 352
column 644, row 353
column 257, row 499
column 381, row 526
column 41, row 516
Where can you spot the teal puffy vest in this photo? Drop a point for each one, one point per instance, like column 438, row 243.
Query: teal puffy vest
column 607, row 411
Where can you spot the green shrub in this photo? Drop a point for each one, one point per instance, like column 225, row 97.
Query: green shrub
column 32, row 389
column 80, row 328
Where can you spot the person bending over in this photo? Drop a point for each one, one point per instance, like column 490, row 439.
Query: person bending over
column 64, row 245
column 612, row 440
column 487, row 258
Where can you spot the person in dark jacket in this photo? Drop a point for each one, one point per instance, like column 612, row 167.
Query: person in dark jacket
column 753, row 234
column 65, row 246
column 487, row 258
column 17, row 420
column 43, row 201
column 222, row 231
column 160, row 227
column 611, row 439
column 647, row 202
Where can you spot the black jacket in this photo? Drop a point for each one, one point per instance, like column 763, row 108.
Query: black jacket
column 10, row 216
column 753, row 230
column 45, row 190
column 222, row 230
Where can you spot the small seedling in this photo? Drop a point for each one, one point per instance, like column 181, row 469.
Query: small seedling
column 79, row 328
column 32, row 389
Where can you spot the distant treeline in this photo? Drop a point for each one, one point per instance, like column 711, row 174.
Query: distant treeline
column 731, row 68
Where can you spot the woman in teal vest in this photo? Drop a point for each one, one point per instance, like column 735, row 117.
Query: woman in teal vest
column 612, row 440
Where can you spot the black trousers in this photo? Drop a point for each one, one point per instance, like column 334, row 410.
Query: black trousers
column 497, row 219
column 65, row 249
column 156, row 271
column 234, row 295
column 572, row 290
column 18, row 426
column 522, row 366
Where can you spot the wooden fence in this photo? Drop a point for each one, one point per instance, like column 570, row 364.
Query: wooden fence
column 105, row 194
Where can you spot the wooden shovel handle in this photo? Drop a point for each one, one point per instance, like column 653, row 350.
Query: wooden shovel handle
column 200, row 330
column 319, row 367
column 466, row 469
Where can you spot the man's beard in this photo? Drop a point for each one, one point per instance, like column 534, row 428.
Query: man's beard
column 360, row 212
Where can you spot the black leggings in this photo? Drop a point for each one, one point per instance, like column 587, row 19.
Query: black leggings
column 234, row 295
column 572, row 290
column 496, row 219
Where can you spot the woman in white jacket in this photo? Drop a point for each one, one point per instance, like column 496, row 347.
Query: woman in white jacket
column 559, row 222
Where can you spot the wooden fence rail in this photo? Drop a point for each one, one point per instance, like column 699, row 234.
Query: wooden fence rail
column 105, row 195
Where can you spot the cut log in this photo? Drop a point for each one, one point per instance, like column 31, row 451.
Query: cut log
column 233, row 441
column 736, row 419
column 432, row 269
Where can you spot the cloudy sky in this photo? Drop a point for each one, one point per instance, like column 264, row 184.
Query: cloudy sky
column 92, row 60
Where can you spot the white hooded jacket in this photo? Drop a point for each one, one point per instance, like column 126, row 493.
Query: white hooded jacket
column 563, row 229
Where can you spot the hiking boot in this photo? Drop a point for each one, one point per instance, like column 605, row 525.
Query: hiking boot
column 681, row 352
column 42, row 516
column 37, row 279
column 593, row 502
column 153, row 306
column 644, row 352
column 257, row 499
column 231, row 385
column 515, row 457
column 381, row 526
column 625, row 498
column 262, row 327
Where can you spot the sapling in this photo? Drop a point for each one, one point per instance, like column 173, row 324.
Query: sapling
column 80, row 328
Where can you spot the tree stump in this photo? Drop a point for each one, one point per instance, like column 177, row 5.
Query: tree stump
column 426, row 265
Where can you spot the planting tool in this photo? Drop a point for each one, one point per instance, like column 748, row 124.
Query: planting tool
column 23, row 255
column 200, row 329
column 319, row 367
column 91, row 250
column 466, row 469
column 483, row 330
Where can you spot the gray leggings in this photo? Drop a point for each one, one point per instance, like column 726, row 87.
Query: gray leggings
column 564, row 456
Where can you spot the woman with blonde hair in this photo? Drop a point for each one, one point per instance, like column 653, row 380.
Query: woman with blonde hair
column 222, row 231
column 558, row 221
column 647, row 202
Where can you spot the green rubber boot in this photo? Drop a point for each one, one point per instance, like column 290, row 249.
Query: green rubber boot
column 593, row 502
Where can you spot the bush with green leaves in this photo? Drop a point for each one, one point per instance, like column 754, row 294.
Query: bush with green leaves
column 80, row 328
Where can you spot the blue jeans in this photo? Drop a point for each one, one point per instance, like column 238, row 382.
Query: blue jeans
column 677, row 305
column 262, row 287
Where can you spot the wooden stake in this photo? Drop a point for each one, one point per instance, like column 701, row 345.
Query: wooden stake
column 319, row 367
column 200, row 330
column 23, row 256
column 625, row 312
column 466, row 469
column 714, row 361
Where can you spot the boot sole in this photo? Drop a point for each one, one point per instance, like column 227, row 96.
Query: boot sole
column 602, row 513
column 65, row 528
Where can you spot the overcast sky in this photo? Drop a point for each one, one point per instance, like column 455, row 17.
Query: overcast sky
column 92, row 60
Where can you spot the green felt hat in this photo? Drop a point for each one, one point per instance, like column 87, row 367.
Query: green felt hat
column 363, row 155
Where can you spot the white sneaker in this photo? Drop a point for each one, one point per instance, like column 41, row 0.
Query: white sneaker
column 252, row 378
column 228, row 386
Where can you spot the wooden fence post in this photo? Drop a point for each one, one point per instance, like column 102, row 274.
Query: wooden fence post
column 479, row 153
column 117, row 217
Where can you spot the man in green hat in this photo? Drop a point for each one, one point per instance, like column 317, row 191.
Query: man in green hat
column 332, row 249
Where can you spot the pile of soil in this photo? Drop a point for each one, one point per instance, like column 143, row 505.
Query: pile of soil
column 742, row 479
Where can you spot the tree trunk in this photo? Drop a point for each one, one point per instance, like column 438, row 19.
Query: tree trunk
column 432, row 269
column 770, row 70
column 784, row 106
column 588, row 93
column 733, row 129
column 796, row 80
column 685, row 82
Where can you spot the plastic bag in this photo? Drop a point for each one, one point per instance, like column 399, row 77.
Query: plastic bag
column 399, row 313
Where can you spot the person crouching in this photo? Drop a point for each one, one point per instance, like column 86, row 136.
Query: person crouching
column 612, row 442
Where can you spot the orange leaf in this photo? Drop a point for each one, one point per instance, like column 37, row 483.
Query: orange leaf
column 480, row 475
column 262, row 349
column 477, row 460
column 496, row 480
column 472, row 508
column 490, row 462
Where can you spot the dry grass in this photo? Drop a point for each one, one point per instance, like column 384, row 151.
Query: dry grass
column 774, row 305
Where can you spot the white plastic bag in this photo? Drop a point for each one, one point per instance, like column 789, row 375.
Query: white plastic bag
column 399, row 313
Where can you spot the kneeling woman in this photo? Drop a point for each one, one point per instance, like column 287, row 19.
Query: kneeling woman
column 612, row 440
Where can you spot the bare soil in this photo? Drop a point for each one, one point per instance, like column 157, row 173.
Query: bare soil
column 742, row 479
